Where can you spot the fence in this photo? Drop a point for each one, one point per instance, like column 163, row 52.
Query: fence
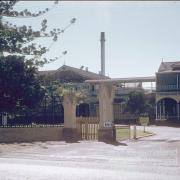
column 50, row 111
column 32, row 126
column 120, row 117
column 88, row 127
column 125, row 119
column 30, row 120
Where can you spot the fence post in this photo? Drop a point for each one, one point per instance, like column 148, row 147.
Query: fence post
column 129, row 131
column 86, row 129
column 134, row 132
column 144, row 129
column 114, row 132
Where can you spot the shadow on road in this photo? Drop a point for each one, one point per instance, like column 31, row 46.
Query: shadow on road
column 72, row 141
column 116, row 143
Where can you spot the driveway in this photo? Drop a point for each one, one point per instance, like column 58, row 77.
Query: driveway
column 151, row 158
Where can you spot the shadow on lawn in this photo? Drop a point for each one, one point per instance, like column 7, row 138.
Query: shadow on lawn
column 159, row 140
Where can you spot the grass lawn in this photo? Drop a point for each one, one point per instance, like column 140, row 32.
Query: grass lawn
column 125, row 133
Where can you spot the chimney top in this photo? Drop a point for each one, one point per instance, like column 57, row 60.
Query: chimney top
column 102, row 53
column 102, row 36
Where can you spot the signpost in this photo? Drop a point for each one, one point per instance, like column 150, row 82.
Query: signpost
column 144, row 120
column 134, row 135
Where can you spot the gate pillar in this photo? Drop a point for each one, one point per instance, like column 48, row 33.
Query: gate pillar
column 70, row 130
column 106, row 97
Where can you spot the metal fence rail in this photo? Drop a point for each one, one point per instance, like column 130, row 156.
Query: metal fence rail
column 125, row 119
column 33, row 119
column 32, row 126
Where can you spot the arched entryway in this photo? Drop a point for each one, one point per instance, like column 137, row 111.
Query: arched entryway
column 167, row 109
column 83, row 110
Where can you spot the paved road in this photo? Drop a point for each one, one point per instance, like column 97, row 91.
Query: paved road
column 152, row 158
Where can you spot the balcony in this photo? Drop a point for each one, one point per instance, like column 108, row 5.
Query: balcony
column 168, row 90
column 168, row 93
column 125, row 91
column 161, row 88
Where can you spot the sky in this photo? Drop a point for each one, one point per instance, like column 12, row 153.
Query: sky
column 138, row 34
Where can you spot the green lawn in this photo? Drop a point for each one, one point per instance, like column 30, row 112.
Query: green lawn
column 124, row 133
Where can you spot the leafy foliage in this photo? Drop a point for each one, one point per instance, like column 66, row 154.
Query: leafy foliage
column 136, row 102
column 19, row 85
column 20, row 57
column 20, row 40
column 139, row 103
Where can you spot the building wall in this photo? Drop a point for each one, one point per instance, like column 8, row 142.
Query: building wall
column 168, row 86
column 30, row 134
column 168, row 95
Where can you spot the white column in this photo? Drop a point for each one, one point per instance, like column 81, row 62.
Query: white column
column 177, row 81
column 156, row 111
column 160, row 109
column 163, row 104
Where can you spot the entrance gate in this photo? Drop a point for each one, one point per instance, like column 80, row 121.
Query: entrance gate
column 88, row 127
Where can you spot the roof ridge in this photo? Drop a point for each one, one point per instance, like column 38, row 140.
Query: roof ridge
column 82, row 70
column 171, row 62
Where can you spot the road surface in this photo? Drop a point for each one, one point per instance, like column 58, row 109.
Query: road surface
column 151, row 158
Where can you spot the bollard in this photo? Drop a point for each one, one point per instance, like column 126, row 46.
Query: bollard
column 144, row 129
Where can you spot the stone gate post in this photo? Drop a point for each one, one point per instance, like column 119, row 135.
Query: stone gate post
column 106, row 97
column 70, row 131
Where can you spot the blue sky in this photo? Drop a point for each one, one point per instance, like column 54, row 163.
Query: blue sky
column 138, row 34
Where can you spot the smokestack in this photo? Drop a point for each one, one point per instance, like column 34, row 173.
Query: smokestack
column 102, row 53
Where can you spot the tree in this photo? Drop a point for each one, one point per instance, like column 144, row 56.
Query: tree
column 20, row 58
column 140, row 103
column 136, row 103
column 150, row 105
column 20, row 40
column 20, row 87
